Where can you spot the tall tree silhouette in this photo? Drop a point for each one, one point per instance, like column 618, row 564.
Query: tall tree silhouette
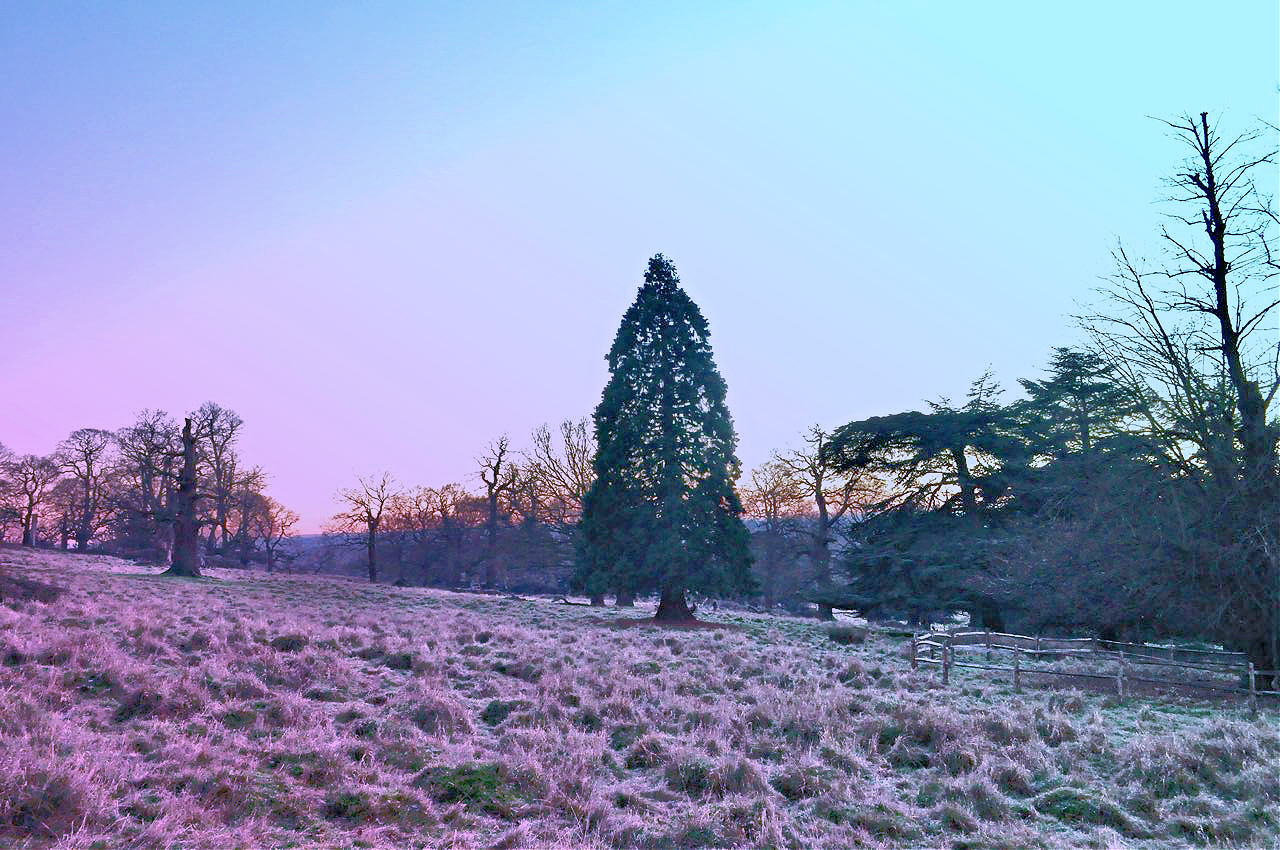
column 185, row 560
column 662, row 514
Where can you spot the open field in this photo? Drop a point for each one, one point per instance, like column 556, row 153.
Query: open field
column 245, row 710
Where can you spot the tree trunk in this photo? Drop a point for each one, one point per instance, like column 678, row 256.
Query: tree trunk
column 83, row 529
column 185, row 560
column 625, row 599
column 597, row 600
column 1257, row 473
column 29, row 524
column 491, row 539
column 372, row 545
column 672, row 607
column 822, row 552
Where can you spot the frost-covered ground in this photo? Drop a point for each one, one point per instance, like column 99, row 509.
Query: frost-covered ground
column 243, row 710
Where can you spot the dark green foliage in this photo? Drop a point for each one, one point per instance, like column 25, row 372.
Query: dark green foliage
column 1079, row 409
column 496, row 712
column 662, row 514
column 482, row 787
column 925, row 547
column 400, row 661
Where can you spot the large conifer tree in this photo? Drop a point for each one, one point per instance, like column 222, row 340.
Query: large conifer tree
column 662, row 514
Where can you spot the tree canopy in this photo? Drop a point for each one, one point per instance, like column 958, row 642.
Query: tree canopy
column 662, row 513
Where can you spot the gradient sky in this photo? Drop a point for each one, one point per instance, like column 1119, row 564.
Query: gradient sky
column 387, row 233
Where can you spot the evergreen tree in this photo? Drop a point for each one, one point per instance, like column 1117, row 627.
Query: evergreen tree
column 1079, row 408
column 662, row 514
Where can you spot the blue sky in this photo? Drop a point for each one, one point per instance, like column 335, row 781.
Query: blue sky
column 386, row 234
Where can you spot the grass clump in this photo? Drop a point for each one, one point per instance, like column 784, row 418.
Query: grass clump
column 497, row 711
column 399, row 661
column 348, row 805
column 289, row 643
column 1080, row 806
column 481, row 787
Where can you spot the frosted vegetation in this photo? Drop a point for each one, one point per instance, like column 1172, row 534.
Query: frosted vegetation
column 252, row 710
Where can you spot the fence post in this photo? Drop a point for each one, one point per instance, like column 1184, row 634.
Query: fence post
column 946, row 662
column 914, row 664
column 1037, row 646
column 988, row 644
column 1120, row 673
column 1017, row 669
column 1253, row 691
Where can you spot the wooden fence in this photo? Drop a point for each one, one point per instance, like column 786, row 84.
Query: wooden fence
column 1126, row 659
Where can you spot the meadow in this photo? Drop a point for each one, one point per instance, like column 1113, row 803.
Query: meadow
column 247, row 710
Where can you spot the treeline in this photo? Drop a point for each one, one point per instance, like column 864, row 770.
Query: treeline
column 515, row 531
column 516, row 528
column 1135, row 490
column 1132, row 492
column 117, row 492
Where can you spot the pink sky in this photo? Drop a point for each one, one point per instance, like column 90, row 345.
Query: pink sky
column 388, row 237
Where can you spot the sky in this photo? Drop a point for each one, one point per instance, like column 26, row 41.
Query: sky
column 387, row 234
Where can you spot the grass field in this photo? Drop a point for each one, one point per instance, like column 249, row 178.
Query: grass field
column 244, row 710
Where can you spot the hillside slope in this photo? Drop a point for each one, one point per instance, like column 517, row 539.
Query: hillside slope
column 244, row 710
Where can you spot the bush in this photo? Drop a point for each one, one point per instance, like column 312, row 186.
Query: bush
column 847, row 635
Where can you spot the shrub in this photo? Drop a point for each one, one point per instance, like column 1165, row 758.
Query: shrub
column 846, row 635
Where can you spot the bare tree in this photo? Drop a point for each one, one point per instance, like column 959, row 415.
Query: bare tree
column 84, row 454
column 776, row 500
column 273, row 524
column 247, row 502
column 218, row 428
column 149, row 454
column 9, row 513
column 458, row 511
column 31, row 478
column 833, row 494
column 63, row 509
column 560, row 470
column 500, row 475
column 365, row 504
column 1195, row 341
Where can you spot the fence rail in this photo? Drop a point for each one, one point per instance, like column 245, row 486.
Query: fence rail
column 940, row 648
